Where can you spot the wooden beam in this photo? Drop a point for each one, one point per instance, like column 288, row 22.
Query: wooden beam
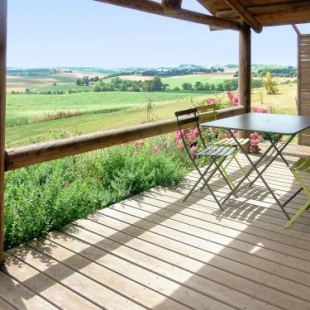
column 245, row 15
column 3, row 48
column 169, row 5
column 186, row 15
column 245, row 67
column 39, row 153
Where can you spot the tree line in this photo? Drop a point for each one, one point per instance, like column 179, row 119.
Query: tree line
column 156, row 84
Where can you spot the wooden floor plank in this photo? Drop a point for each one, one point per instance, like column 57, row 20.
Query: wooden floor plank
column 214, row 247
column 169, row 201
column 224, row 240
column 5, row 306
column 216, row 274
column 14, row 293
column 191, row 281
column 201, row 222
column 156, row 251
column 99, row 295
column 88, row 266
column 44, row 286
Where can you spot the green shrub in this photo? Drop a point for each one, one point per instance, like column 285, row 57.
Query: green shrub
column 47, row 196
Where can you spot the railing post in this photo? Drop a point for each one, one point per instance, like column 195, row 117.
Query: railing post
column 3, row 48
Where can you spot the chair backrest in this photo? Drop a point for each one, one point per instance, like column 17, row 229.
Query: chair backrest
column 210, row 108
column 189, row 128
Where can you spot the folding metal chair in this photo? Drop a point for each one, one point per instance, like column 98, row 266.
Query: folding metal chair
column 300, row 169
column 196, row 147
column 226, row 141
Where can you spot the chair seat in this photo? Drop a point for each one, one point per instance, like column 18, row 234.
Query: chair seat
column 217, row 151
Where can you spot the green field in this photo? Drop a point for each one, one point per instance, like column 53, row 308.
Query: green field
column 24, row 112
column 177, row 81
column 33, row 117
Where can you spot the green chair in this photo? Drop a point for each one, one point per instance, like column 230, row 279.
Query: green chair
column 299, row 169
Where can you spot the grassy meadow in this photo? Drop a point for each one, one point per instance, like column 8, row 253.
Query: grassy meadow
column 34, row 118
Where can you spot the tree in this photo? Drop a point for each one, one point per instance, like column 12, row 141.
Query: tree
column 187, row 86
column 270, row 85
column 199, row 86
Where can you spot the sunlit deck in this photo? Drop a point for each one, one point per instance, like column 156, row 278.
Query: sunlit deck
column 155, row 251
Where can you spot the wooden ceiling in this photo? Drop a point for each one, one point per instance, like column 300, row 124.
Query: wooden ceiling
column 263, row 12
column 228, row 14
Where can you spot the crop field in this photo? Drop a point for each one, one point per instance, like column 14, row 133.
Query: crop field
column 212, row 78
column 37, row 117
column 30, row 117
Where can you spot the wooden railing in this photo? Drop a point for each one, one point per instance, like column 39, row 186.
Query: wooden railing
column 42, row 152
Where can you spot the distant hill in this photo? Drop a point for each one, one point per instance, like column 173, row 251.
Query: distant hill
column 183, row 69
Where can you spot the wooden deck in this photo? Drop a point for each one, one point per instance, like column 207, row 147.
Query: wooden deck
column 155, row 251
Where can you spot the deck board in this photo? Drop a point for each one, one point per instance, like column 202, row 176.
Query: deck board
column 156, row 251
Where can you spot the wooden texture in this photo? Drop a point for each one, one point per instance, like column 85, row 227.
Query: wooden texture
column 186, row 15
column 155, row 251
column 303, row 90
column 245, row 67
column 3, row 48
column 266, row 12
column 245, row 71
column 171, row 4
column 38, row 153
column 245, row 15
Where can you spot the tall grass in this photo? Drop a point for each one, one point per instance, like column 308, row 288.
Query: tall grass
column 48, row 196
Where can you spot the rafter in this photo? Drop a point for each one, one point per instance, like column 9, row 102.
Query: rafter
column 171, row 5
column 190, row 16
column 245, row 15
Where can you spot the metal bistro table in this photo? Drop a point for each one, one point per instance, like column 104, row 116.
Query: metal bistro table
column 279, row 124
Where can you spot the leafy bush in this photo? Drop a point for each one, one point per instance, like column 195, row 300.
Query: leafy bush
column 48, row 196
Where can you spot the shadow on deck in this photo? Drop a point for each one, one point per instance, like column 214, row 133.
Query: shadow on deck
column 155, row 251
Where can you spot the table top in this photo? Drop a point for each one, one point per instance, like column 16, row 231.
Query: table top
column 263, row 122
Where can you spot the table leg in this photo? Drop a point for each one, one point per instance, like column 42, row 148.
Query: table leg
column 255, row 166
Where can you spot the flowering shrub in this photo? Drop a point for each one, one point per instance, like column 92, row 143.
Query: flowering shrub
column 190, row 137
column 234, row 99
column 259, row 110
column 264, row 136
column 255, row 138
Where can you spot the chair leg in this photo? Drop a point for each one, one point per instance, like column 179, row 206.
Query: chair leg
column 305, row 206
column 206, row 180
column 298, row 214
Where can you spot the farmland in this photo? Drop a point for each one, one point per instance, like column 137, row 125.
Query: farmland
column 35, row 117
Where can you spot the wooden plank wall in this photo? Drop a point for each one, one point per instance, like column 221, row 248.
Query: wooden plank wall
column 3, row 45
column 304, row 83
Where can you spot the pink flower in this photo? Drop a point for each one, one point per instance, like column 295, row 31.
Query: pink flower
column 255, row 138
column 210, row 101
column 235, row 101
column 155, row 149
column 194, row 150
column 179, row 134
column 235, row 133
column 138, row 144
column 259, row 110
column 180, row 146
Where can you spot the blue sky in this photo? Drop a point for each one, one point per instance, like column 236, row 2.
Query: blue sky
column 86, row 33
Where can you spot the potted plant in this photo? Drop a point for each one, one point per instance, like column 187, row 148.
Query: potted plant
column 255, row 139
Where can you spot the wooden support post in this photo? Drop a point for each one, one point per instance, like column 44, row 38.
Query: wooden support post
column 245, row 67
column 245, row 70
column 3, row 43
